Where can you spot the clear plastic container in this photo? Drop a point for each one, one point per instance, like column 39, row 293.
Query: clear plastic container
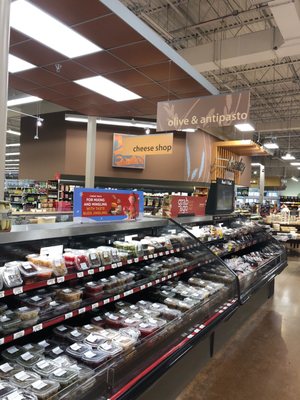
column 69, row 295
column 126, row 342
column 62, row 330
column 19, row 394
column 94, row 258
column 5, row 389
column 113, row 320
column 105, row 255
column 44, row 389
column 44, row 367
column 27, row 313
column 12, row 353
column 54, row 308
column 131, row 332
column 9, row 369
column 37, row 301
column 82, row 261
column 24, row 378
column 64, row 361
column 83, row 372
column 11, row 275
column 64, row 377
column 28, row 270
column 109, row 334
column 94, row 358
column 3, row 307
column 98, row 320
column 76, row 350
column 55, row 351
column 94, row 339
column 146, row 328
column 93, row 288
column 33, row 348
column 75, row 335
column 28, row 359
column 111, row 348
column 9, row 322
column 44, row 344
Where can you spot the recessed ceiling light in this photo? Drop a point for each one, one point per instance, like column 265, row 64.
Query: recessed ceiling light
column 107, row 88
column 37, row 24
column 23, row 100
column 288, row 157
column 16, row 64
column 13, row 132
column 19, row 144
column 244, row 127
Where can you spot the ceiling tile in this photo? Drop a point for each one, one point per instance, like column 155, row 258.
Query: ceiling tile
column 163, row 71
column 46, row 94
column 41, row 77
column 101, row 62
column 70, row 70
column 71, row 89
column 36, row 53
column 21, row 84
column 16, row 37
column 109, row 31
column 72, row 11
column 128, row 78
column 140, row 54
column 94, row 99
column 195, row 93
column 150, row 91
column 70, row 103
column 179, row 86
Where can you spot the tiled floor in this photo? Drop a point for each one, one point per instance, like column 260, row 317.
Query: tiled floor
column 262, row 361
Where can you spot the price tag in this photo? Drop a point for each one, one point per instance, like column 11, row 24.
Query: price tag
column 18, row 290
column 150, row 256
column 60, row 279
column 149, row 284
column 197, row 331
column 95, row 305
column 83, row 266
column 172, row 251
column 163, row 279
column 136, row 260
column 175, row 274
column 130, row 261
column 91, row 271
column 183, row 248
column 1, row 341
column 37, row 327
column 120, row 264
column 51, row 282
column 155, row 255
column 128, row 292
column 142, row 287
column 114, row 265
column 157, row 281
column 145, row 258
column 161, row 253
column 68, row 315
column 169, row 276
column 80, row 274
column 117, row 297
column 185, row 270
column 202, row 326
column 19, row 334
column 167, row 253
column 2, row 294
column 106, row 301
column 15, row 396
column 177, row 250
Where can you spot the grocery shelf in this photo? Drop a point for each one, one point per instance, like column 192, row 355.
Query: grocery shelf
column 80, row 274
column 82, row 310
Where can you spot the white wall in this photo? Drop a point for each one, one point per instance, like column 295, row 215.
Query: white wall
column 292, row 188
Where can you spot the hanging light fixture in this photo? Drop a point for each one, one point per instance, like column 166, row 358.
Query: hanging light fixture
column 288, row 156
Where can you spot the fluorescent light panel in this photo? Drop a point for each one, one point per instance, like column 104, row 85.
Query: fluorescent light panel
column 246, row 127
column 294, row 179
column 271, row 145
column 12, row 154
column 288, row 157
column 13, row 132
column 112, row 121
column 295, row 164
column 37, row 24
column 23, row 100
column 255, row 164
column 107, row 88
column 19, row 144
column 16, row 64
column 12, row 165
column 12, row 160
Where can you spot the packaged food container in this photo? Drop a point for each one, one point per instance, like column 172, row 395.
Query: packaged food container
column 27, row 270
column 147, row 328
column 158, row 307
column 93, row 288
column 24, row 378
column 125, row 277
column 94, row 259
column 55, row 351
column 115, row 255
column 76, row 350
column 109, row 334
column 27, row 360
column 43, row 273
column 130, row 321
column 144, row 304
column 111, row 348
column 148, row 313
column 123, row 255
column 94, row 357
column 12, row 353
column 170, row 314
column 126, row 342
column 11, row 275
column 33, row 348
column 9, row 322
column 63, row 376
column 90, row 328
column 72, row 305
column 64, row 361
column 105, row 255
column 131, row 332
column 75, row 335
column 112, row 284
column 20, row 394
column 8, row 369
column 1, row 278
column 94, row 339
column 5, row 389
column 54, row 308
column 69, row 295
column 124, row 313
column 3, row 308
column 61, row 331
column 44, row 389
column 98, row 320
column 26, row 313
column 44, row 367
column 121, row 305
column 69, row 257
column 105, row 283
column 84, row 372
column 113, row 320
column 82, row 262
column 44, row 344
column 37, row 301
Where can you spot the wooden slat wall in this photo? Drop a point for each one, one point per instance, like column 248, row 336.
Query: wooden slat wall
column 220, row 155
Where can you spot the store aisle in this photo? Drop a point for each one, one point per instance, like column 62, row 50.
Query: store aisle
column 262, row 361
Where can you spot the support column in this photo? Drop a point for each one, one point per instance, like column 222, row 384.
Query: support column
column 261, row 183
column 90, row 152
column 4, row 49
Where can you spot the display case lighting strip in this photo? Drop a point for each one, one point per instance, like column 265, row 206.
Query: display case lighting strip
column 82, row 310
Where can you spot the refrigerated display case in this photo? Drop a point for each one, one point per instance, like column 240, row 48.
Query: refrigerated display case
column 121, row 306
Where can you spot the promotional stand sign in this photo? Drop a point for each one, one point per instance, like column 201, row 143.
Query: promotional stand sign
column 92, row 205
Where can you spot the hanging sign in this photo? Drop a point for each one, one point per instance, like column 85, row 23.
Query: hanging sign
column 148, row 144
column 107, row 205
column 176, row 206
column 203, row 112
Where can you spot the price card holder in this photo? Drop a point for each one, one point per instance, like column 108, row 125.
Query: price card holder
column 60, row 279
column 18, row 290
column 52, row 251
